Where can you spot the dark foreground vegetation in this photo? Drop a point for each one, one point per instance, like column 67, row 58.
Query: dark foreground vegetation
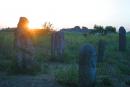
column 113, row 71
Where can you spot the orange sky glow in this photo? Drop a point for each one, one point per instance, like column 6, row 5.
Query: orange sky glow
column 66, row 13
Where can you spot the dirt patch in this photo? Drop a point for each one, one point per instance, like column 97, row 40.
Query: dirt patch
column 28, row 81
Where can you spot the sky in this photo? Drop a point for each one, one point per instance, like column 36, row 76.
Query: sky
column 66, row 13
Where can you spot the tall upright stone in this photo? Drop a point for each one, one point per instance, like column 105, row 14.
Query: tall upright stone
column 122, row 39
column 101, row 50
column 87, row 66
column 53, row 43
column 23, row 45
column 57, row 43
column 61, row 42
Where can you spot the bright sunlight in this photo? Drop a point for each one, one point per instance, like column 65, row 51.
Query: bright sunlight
column 33, row 25
column 66, row 13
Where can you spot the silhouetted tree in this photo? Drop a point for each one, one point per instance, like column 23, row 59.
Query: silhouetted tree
column 98, row 29
column 77, row 27
column 47, row 27
column 84, row 28
column 110, row 29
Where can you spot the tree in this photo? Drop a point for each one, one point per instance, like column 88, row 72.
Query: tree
column 99, row 29
column 77, row 28
column 110, row 29
column 47, row 27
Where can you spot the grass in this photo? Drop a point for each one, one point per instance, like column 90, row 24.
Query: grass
column 68, row 75
column 115, row 64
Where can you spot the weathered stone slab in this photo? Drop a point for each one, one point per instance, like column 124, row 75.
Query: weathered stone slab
column 57, row 43
column 87, row 66
column 122, row 39
column 24, row 46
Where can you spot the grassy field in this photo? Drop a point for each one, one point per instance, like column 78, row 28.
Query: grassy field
column 114, row 71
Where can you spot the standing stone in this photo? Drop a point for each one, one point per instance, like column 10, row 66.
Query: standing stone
column 23, row 45
column 61, row 42
column 87, row 66
column 57, row 43
column 52, row 43
column 101, row 50
column 122, row 39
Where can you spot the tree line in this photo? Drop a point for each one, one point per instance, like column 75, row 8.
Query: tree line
column 100, row 29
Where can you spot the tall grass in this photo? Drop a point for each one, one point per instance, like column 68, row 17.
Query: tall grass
column 114, row 66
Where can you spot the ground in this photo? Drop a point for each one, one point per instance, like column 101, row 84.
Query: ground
column 114, row 71
column 40, row 80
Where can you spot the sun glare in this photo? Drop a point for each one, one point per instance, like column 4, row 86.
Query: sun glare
column 34, row 26
column 66, row 13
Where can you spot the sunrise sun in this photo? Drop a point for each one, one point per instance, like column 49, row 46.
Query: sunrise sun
column 34, row 25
